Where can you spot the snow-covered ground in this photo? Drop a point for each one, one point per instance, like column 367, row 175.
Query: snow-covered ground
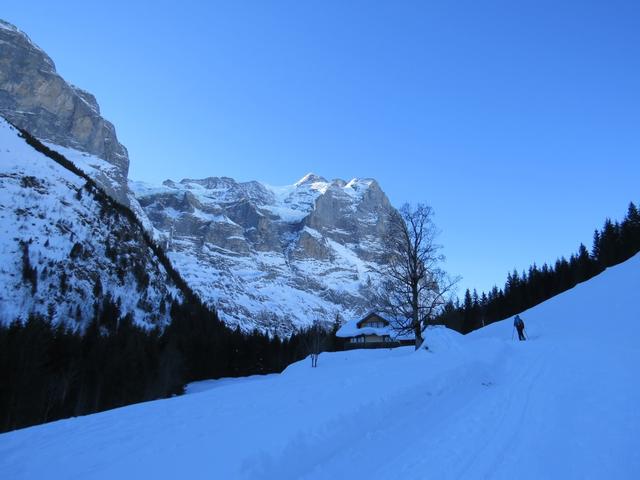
column 562, row 405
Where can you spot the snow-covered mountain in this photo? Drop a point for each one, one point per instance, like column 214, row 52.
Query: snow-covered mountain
column 562, row 405
column 35, row 97
column 275, row 258
column 65, row 246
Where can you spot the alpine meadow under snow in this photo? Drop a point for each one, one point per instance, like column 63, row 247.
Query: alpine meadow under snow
column 562, row 405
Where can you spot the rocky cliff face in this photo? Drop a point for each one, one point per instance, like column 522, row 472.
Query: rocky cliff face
column 275, row 258
column 34, row 97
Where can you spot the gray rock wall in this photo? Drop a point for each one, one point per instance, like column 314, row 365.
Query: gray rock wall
column 34, row 97
column 275, row 258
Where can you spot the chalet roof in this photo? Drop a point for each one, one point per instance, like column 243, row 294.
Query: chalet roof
column 352, row 328
column 369, row 316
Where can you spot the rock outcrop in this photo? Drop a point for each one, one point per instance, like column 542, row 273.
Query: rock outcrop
column 35, row 97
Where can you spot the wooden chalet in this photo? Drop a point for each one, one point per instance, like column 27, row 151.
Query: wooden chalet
column 372, row 331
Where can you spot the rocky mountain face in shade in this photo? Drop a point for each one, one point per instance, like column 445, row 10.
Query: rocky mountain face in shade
column 35, row 97
column 274, row 258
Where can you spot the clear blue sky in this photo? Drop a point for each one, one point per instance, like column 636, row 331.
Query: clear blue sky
column 519, row 122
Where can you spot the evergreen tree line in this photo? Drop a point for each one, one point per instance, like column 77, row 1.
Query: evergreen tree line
column 613, row 244
column 51, row 372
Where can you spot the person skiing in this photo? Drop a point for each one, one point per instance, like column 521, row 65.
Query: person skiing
column 519, row 324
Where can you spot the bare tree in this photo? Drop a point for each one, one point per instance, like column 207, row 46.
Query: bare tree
column 414, row 287
column 315, row 340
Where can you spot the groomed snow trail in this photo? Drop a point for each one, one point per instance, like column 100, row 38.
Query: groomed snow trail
column 562, row 405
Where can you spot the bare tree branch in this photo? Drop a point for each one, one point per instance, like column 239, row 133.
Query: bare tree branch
column 414, row 288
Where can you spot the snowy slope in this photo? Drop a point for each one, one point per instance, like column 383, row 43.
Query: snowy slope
column 80, row 249
column 563, row 405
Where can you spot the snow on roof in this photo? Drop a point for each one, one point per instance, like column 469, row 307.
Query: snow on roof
column 351, row 329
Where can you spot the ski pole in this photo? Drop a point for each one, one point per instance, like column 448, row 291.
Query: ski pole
column 513, row 331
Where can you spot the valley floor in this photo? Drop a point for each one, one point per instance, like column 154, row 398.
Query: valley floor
column 562, row 405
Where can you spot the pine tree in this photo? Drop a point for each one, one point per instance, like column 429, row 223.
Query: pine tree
column 595, row 249
column 97, row 288
column 29, row 273
column 630, row 232
column 63, row 282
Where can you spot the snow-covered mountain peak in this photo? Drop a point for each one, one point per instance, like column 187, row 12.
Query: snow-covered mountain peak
column 272, row 256
column 208, row 191
column 8, row 26
column 356, row 183
column 310, row 178
column 276, row 257
column 321, row 184
column 359, row 186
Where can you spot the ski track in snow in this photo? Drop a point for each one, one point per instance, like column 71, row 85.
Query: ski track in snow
column 562, row 405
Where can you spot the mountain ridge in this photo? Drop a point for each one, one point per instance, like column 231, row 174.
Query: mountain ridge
column 276, row 258
column 312, row 244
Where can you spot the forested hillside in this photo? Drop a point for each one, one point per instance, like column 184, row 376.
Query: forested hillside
column 614, row 243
